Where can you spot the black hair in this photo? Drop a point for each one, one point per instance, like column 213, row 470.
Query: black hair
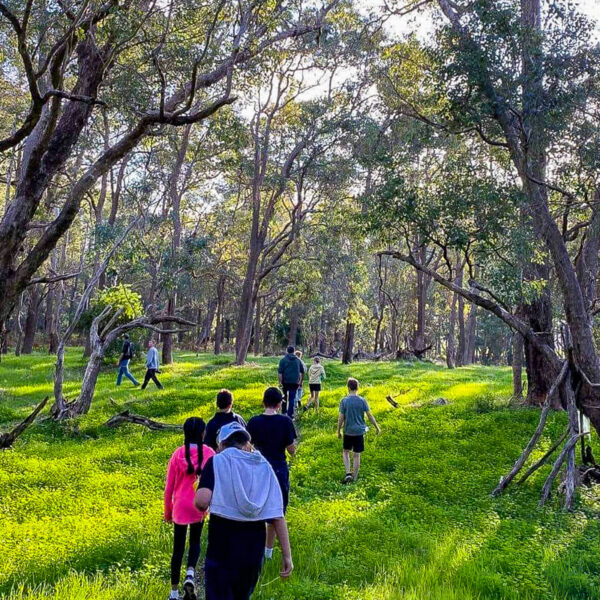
column 193, row 430
column 290, row 349
column 272, row 397
column 352, row 384
column 126, row 336
column 239, row 438
column 224, row 399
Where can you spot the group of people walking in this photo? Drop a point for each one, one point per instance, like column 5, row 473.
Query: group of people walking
column 152, row 364
column 239, row 472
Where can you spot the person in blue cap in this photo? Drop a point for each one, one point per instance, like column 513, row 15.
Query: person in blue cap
column 241, row 491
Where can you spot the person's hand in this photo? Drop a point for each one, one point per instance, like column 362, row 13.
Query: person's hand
column 339, row 435
column 287, row 566
column 168, row 520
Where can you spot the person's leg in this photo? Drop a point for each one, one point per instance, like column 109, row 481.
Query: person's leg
column 194, row 550
column 356, row 465
column 346, row 456
column 178, row 551
column 317, row 392
column 291, row 400
column 120, row 375
column 246, row 580
column 218, row 581
column 158, row 384
column 146, row 379
column 127, row 374
column 270, row 541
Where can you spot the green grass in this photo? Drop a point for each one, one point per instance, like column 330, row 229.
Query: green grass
column 81, row 505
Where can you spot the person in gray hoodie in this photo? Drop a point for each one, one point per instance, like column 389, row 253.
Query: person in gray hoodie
column 240, row 488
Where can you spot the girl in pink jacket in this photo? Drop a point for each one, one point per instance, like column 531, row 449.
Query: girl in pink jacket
column 182, row 475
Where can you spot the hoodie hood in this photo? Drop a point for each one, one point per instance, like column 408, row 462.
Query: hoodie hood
column 291, row 357
column 246, row 488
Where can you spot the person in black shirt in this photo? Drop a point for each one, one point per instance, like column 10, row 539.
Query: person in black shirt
column 223, row 416
column 126, row 356
column 273, row 434
column 239, row 509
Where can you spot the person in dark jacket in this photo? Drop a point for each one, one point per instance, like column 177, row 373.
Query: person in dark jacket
column 126, row 356
column 291, row 374
column 223, row 416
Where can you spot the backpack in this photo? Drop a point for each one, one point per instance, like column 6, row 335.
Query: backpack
column 128, row 353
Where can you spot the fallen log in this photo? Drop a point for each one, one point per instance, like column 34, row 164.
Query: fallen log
column 129, row 417
column 8, row 439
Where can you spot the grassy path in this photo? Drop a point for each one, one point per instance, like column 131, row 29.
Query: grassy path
column 81, row 505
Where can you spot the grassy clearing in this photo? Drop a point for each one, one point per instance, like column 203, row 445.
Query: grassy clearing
column 81, row 505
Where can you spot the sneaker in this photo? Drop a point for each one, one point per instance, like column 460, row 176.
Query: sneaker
column 189, row 588
column 348, row 478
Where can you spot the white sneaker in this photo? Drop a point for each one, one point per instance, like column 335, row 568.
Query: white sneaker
column 189, row 588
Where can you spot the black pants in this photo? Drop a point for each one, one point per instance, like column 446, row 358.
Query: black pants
column 232, row 582
column 179, row 549
column 151, row 374
column 289, row 399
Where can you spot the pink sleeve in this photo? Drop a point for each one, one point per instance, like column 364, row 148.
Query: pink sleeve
column 169, row 487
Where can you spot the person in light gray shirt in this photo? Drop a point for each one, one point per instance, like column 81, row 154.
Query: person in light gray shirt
column 152, row 365
column 353, row 409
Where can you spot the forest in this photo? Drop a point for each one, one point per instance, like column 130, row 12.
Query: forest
column 405, row 190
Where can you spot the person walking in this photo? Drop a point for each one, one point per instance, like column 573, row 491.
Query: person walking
column 353, row 409
column 223, row 416
column 242, row 492
column 316, row 374
column 184, row 468
column 152, row 365
column 274, row 434
column 123, row 362
column 291, row 374
column 300, row 391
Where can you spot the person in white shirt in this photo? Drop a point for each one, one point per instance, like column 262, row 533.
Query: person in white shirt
column 316, row 374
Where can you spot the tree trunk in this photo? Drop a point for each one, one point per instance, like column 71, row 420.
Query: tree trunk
column 517, row 365
column 347, row 353
column 323, row 334
column 293, row 331
column 257, row 327
column 460, row 351
column 470, row 336
column 31, row 320
column 450, row 342
column 167, row 338
column 245, row 316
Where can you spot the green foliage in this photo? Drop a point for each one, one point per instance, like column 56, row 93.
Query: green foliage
column 122, row 298
column 81, row 507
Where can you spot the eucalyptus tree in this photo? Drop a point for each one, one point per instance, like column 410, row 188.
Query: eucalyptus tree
column 148, row 64
column 522, row 76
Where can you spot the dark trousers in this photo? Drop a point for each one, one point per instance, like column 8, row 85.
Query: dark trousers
column 151, row 374
column 230, row 582
column 289, row 399
column 179, row 549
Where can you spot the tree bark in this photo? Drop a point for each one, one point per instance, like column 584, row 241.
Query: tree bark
column 517, row 364
column 31, row 320
column 347, row 354
column 293, row 330
column 257, row 327
column 450, row 342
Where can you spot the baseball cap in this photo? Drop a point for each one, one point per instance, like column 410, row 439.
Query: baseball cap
column 230, row 429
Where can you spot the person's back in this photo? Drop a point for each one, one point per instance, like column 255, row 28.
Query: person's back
column 354, row 408
column 316, row 373
column 271, row 435
column 222, row 417
column 290, row 368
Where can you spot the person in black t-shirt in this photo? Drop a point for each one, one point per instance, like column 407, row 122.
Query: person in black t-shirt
column 241, row 490
column 272, row 435
column 123, row 362
column 223, row 416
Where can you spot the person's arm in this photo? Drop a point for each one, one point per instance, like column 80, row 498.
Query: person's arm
column 169, row 487
column 280, row 379
column 292, row 449
column 301, row 379
column 281, row 530
column 341, row 420
column 323, row 376
column 372, row 419
column 206, row 485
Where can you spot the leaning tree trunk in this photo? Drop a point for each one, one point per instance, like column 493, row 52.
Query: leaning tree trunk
column 293, row 331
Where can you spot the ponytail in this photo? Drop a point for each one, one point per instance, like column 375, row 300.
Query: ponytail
column 193, row 430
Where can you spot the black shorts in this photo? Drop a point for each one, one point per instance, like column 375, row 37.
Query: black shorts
column 314, row 387
column 356, row 443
